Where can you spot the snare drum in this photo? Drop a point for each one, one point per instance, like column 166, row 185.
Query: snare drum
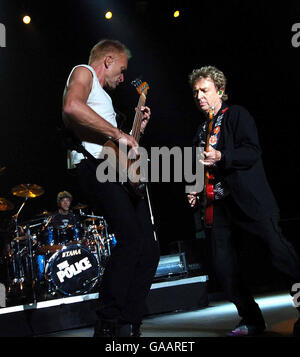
column 53, row 239
column 72, row 270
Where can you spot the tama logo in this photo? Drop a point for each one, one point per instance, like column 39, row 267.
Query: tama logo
column 71, row 253
column 68, row 271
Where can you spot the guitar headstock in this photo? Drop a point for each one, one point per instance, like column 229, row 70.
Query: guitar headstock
column 141, row 87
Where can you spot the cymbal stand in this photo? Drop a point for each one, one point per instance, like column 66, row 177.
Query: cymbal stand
column 15, row 216
column 99, row 242
column 16, row 257
column 85, row 228
column 33, row 275
column 107, row 238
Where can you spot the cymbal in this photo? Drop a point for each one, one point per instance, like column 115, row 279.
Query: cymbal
column 5, row 205
column 2, row 169
column 90, row 219
column 45, row 213
column 27, row 190
column 80, row 206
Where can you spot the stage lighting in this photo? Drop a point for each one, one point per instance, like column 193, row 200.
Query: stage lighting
column 26, row 19
column 108, row 15
column 176, row 13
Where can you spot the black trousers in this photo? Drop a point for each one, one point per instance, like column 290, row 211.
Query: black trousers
column 228, row 218
column 131, row 267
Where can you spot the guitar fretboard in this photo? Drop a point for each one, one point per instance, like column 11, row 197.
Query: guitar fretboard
column 136, row 127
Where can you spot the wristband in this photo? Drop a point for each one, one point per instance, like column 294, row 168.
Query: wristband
column 121, row 134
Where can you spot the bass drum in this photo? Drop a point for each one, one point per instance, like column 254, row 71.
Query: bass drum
column 73, row 270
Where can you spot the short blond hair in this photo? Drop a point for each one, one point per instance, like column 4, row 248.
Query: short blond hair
column 104, row 47
column 214, row 74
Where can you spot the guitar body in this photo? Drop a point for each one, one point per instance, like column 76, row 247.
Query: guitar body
column 129, row 176
column 209, row 192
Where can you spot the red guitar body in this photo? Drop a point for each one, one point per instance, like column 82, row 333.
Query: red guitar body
column 209, row 191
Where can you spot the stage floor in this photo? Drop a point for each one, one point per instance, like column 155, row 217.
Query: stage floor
column 216, row 320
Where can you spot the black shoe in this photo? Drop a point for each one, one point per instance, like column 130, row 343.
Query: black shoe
column 112, row 328
column 135, row 330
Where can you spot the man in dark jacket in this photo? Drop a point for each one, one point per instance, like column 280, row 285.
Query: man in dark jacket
column 242, row 198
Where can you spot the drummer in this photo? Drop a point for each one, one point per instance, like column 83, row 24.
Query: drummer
column 64, row 217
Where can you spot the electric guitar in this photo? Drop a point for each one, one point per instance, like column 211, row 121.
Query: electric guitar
column 125, row 165
column 208, row 193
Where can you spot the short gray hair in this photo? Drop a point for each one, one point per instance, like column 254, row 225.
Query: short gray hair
column 104, row 47
column 214, row 74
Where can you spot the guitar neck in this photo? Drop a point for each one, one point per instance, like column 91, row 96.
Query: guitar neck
column 136, row 127
column 210, row 124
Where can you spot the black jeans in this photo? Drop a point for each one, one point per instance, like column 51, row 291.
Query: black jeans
column 131, row 267
column 228, row 217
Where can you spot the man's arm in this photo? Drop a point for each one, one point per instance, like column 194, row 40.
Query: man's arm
column 245, row 150
column 77, row 113
column 75, row 108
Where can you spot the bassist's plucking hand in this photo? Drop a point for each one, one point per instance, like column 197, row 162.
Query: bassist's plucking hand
column 146, row 117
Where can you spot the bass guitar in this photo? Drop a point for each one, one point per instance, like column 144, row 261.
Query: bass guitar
column 124, row 164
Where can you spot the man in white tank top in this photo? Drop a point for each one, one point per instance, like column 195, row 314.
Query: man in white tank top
column 89, row 113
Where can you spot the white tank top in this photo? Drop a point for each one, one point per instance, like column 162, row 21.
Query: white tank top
column 101, row 103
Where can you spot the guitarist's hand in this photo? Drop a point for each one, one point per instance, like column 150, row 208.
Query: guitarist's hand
column 128, row 140
column 210, row 157
column 192, row 198
column 146, row 117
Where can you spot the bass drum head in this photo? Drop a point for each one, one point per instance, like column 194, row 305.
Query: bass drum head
column 72, row 270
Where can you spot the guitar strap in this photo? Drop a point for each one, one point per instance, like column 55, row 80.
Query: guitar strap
column 213, row 141
column 71, row 142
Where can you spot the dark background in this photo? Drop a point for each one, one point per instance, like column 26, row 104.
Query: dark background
column 250, row 41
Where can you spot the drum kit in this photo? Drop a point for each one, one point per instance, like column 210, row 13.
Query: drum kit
column 51, row 261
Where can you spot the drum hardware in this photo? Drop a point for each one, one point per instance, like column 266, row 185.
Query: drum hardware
column 90, row 219
column 18, row 238
column 100, row 226
column 18, row 274
column 33, row 222
column 96, row 240
column 34, row 225
column 33, row 258
column 18, row 265
column 94, row 217
column 30, row 255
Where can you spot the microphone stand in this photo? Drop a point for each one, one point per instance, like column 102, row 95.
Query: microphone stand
column 33, row 277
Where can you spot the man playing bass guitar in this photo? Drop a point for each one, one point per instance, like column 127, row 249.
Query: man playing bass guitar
column 88, row 111
column 241, row 197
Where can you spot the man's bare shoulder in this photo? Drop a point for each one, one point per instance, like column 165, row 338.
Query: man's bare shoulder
column 81, row 74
